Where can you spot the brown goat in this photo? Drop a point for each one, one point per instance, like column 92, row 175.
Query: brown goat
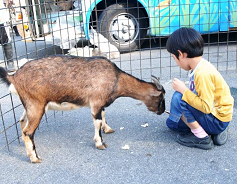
column 65, row 83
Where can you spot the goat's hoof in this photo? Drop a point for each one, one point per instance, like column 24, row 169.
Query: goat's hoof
column 35, row 160
column 105, row 145
column 108, row 131
column 101, row 147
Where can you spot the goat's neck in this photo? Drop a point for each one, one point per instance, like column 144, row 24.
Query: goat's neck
column 131, row 87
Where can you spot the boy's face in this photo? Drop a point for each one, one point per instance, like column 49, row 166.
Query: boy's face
column 182, row 61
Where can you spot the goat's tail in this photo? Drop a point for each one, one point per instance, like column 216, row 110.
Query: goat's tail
column 3, row 76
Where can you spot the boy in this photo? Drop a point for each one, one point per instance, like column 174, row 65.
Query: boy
column 202, row 112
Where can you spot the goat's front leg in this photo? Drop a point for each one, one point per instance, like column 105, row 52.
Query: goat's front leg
column 105, row 127
column 98, row 136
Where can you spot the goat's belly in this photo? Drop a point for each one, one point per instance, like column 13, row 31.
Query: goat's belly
column 64, row 106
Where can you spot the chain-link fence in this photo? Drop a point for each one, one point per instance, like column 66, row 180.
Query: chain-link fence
column 130, row 33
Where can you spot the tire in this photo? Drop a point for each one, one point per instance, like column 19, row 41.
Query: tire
column 124, row 26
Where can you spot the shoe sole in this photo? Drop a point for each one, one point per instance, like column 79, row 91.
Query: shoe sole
column 201, row 146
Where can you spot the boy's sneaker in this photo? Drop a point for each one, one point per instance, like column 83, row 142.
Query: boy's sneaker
column 220, row 138
column 191, row 140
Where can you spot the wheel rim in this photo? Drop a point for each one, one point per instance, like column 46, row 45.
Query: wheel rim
column 124, row 29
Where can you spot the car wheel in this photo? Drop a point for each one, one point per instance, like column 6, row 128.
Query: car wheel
column 124, row 26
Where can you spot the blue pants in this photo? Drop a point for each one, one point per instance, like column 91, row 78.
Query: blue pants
column 178, row 107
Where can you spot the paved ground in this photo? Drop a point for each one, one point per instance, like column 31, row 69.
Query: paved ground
column 66, row 146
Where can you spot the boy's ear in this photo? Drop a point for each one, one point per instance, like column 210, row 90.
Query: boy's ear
column 182, row 55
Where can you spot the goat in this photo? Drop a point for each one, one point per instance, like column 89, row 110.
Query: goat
column 66, row 82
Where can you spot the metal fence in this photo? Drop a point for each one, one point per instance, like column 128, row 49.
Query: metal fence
column 132, row 34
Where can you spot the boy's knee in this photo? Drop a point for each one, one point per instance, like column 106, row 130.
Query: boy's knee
column 177, row 96
column 176, row 99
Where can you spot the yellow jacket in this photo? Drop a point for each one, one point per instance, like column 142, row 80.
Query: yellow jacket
column 213, row 93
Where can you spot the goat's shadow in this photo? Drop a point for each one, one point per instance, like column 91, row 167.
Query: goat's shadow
column 18, row 152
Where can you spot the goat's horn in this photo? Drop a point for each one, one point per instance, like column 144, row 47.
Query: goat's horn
column 156, row 82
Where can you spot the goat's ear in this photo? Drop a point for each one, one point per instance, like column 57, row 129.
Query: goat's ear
column 157, row 82
column 155, row 93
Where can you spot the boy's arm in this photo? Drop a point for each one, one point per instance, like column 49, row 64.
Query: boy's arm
column 203, row 102
column 179, row 85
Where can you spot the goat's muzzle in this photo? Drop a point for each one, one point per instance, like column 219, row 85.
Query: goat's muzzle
column 161, row 107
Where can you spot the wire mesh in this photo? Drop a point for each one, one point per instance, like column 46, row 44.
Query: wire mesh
column 132, row 34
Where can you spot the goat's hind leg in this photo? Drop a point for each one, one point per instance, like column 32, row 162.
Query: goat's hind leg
column 33, row 116
column 105, row 127
column 23, row 122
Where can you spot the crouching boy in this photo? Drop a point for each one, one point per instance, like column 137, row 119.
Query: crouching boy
column 202, row 112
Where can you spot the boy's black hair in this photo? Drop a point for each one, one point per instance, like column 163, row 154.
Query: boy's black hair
column 187, row 40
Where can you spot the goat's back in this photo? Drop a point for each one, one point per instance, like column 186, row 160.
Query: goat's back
column 66, row 79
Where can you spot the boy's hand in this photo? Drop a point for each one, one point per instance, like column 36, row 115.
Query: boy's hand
column 179, row 85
